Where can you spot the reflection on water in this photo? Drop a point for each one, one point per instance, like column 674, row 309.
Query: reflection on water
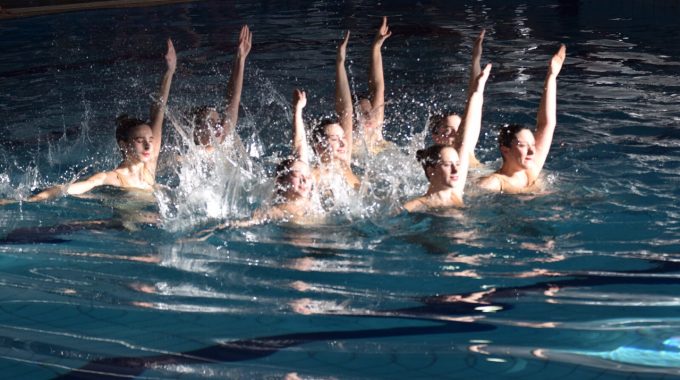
column 581, row 281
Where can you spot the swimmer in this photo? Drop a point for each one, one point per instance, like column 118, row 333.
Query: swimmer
column 139, row 144
column 372, row 109
column 444, row 126
column 333, row 139
column 446, row 166
column 292, row 200
column 209, row 127
column 523, row 153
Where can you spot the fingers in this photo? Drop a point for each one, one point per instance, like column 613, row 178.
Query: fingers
column 345, row 40
column 383, row 31
column 483, row 76
column 480, row 38
column 299, row 98
column 245, row 41
column 342, row 48
column 171, row 48
column 558, row 59
column 171, row 56
column 477, row 49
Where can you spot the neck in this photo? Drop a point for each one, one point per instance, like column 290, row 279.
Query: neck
column 510, row 170
column 439, row 191
column 135, row 168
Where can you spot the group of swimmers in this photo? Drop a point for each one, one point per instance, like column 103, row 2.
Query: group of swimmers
column 308, row 178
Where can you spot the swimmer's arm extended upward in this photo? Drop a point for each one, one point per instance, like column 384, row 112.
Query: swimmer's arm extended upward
column 547, row 111
column 475, row 68
column 235, row 85
column 158, row 107
column 300, row 144
column 343, row 96
column 468, row 133
column 376, row 79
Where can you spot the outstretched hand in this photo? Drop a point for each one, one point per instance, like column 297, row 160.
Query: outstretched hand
column 477, row 48
column 171, row 57
column 245, row 41
column 383, row 33
column 557, row 60
column 299, row 99
column 342, row 48
column 481, row 79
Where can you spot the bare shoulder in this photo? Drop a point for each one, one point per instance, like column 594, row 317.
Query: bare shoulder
column 414, row 205
column 102, row 178
column 490, row 182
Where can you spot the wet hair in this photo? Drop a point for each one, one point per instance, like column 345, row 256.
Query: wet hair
column 435, row 121
column 197, row 116
column 125, row 125
column 508, row 133
column 319, row 131
column 430, row 156
column 438, row 118
column 283, row 168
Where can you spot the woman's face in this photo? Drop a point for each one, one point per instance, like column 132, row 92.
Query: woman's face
column 210, row 128
column 445, row 172
column 335, row 146
column 297, row 182
column 139, row 146
column 445, row 132
column 521, row 150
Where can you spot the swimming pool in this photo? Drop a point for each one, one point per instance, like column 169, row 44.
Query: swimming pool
column 580, row 283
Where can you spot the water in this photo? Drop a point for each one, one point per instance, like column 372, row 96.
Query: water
column 580, row 283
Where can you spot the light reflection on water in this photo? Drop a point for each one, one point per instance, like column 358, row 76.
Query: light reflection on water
column 581, row 279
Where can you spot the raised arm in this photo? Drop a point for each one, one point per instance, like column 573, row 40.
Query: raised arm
column 376, row 80
column 235, row 85
column 468, row 133
column 476, row 65
column 158, row 108
column 547, row 111
column 300, row 144
column 343, row 97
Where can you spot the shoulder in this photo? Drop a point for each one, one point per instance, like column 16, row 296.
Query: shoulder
column 104, row 178
column 414, row 205
column 492, row 182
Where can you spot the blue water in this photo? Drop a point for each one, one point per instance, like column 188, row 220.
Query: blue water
column 583, row 282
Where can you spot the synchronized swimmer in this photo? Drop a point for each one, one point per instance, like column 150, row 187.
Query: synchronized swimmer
column 307, row 181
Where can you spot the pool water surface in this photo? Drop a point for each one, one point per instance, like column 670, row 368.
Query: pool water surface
column 580, row 282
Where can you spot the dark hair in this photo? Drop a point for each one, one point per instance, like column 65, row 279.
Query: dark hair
column 283, row 168
column 319, row 131
column 439, row 118
column 125, row 125
column 197, row 116
column 434, row 121
column 431, row 155
column 508, row 133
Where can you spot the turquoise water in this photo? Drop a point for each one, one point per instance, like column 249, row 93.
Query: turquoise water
column 583, row 282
